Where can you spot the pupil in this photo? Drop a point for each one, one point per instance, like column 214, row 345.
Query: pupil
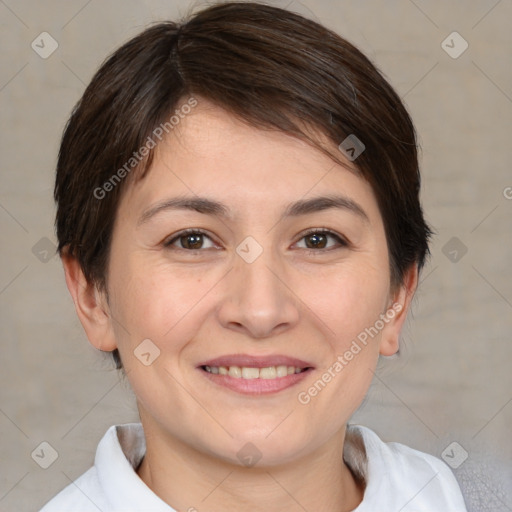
column 317, row 239
column 193, row 241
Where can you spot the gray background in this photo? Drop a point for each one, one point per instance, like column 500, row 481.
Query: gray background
column 452, row 382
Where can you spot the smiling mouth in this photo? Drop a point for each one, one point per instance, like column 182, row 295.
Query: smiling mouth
column 250, row 373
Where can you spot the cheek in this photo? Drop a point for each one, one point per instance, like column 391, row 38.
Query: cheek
column 153, row 301
column 164, row 306
column 350, row 303
column 347, row 300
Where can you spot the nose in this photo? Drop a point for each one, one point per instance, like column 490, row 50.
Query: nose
column 258, row 301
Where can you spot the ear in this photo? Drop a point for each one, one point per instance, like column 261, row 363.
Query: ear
column 91, row 306
column 397, row 312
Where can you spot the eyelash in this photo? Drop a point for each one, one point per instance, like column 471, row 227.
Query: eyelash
column 196, row 231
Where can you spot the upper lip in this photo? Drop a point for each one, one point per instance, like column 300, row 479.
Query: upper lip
column 256, row 361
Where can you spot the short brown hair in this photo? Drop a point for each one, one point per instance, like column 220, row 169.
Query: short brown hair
column 268, row 66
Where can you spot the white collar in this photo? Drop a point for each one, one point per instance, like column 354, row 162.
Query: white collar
column 122, row 448
column 395, row 476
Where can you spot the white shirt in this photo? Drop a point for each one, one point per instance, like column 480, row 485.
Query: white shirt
column 398, row 478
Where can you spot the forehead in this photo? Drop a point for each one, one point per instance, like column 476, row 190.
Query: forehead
column 212, row 152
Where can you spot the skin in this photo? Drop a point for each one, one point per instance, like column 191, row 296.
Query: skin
column 197, row 305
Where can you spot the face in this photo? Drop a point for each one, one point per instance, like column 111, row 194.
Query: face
column 261, row 269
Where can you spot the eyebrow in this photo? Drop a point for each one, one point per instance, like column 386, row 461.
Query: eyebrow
column 210, row 207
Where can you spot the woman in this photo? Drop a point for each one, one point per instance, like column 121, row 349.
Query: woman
column 239, row 223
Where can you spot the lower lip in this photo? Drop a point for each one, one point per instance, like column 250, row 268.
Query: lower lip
column 256, row 386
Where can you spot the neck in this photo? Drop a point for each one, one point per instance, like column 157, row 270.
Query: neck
column 190, row 480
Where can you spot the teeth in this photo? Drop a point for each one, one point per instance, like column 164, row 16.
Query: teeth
column 282, row 371
column 235, row 371
column 246, row 372
column 250, row 373
column 268, row 373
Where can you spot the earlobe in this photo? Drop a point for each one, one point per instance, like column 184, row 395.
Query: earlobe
column 91, row 306
column 397, row 312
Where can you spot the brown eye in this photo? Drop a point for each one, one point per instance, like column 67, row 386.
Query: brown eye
column 316, row 241
column 191, row 240
column 320, row 239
